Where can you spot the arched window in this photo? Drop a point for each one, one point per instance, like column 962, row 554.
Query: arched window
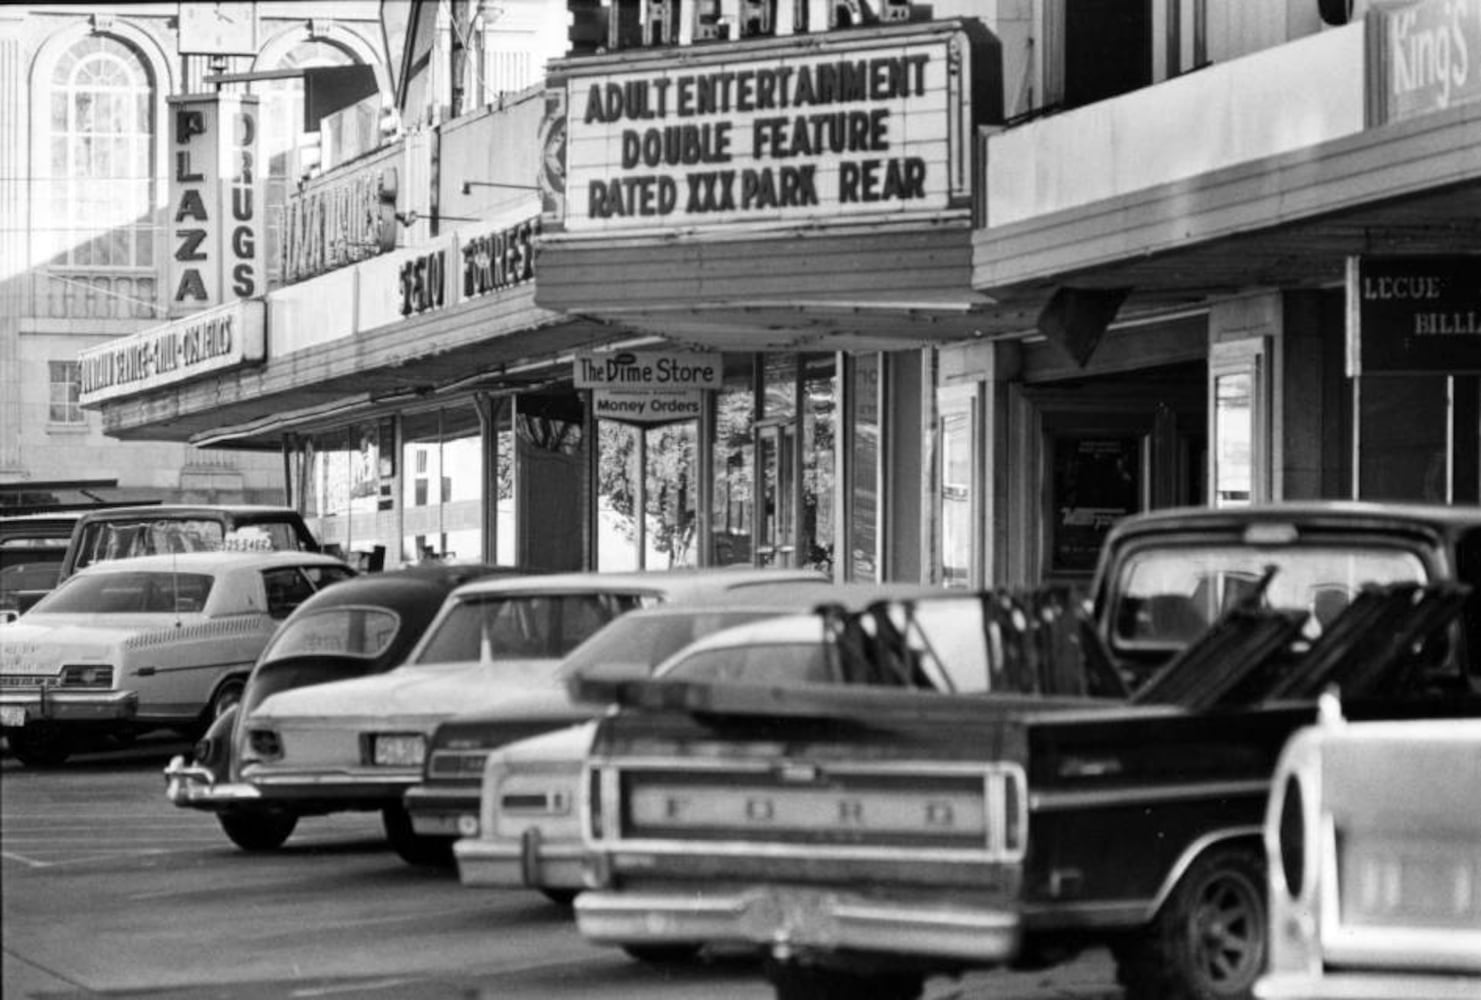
column 288, row 149
column 102, row 182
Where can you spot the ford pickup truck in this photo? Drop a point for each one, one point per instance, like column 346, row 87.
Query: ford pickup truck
column 862, row 838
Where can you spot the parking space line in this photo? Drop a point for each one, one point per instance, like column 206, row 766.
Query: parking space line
column 12, row 856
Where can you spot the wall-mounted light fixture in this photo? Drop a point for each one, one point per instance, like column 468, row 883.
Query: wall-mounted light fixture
column 411, row 217
column 468, row 186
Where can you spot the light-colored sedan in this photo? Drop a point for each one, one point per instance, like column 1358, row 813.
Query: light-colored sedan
column 1373, row 837
column 155, row 642
column 529, row 831
column 360, row 744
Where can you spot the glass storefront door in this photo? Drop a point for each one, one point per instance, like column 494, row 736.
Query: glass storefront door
column 776, row 529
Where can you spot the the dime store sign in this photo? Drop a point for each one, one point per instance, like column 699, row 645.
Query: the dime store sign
column 792, row 134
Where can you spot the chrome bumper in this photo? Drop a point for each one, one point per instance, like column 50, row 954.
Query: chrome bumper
column 437, row 812
column 50, row 705
column 533, row 863
column 1366, row 986
column 191, row 786
column 787, row 921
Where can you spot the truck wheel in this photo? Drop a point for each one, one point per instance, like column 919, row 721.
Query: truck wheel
column 805, row 982
column 412, row 847
column 258, row 829
column 1208, row 940
column 662, row 954
column 39, row 746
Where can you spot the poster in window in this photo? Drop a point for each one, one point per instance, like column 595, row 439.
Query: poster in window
column 1096, row 481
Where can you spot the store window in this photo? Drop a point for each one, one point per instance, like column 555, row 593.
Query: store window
column 863, row 457
column 959, row 523
column 1240, row 458
column 65, row 393
column 733, row 504
column 442, row 486
column 348, row 476
column 655, row 470
column 98, row 192
column 819, row 405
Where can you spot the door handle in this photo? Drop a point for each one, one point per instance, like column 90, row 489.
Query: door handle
column 144, row 672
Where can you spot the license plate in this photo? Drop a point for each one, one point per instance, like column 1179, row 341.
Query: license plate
column 400, row 751
column 12, row 716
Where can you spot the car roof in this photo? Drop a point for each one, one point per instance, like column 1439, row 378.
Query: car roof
column 209, row 562
column 1354, row 514
column 185, row 510
column 672, row 584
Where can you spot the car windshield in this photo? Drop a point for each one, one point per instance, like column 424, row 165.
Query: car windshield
column 522, row 626
column 129, row 593
column 345, row 631
column 1168, row 596
column 645, row 641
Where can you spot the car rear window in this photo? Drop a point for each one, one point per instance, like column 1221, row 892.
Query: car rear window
column 648, row 640
column 783, row 663
column 344, row 631
column 1168, row 596
column 522, row 626
column 129, row 593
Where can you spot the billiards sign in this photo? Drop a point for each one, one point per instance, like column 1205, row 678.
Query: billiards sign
column 1418, row 315
column 786, row 132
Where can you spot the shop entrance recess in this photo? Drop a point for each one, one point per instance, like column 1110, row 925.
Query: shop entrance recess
column 1100, row 449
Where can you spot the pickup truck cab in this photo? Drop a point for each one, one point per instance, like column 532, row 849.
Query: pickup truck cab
column 864, row 838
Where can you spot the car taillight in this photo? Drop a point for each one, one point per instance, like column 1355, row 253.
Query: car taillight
column 594, row 797
column 87, row 675
column 265, row 744
column 1291, row 836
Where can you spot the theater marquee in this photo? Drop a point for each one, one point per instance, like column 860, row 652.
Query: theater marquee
column 863, row 128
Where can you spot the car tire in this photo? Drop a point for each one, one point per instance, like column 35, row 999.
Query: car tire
column 258, row 829
column 412, row 847
column 227, row 697
column 40, row 746
column 1208, row 940
column 806, row 982
column 662, row 954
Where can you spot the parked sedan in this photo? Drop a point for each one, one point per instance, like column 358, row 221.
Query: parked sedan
column 528, row 832
column 1373, row 838
column 363, row 626
column 445, row 804
column 156, row 642
column 360, row 744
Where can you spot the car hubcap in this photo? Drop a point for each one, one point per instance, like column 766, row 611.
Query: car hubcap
column 1226, row 929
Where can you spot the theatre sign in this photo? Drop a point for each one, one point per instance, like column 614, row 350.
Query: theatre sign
column 789, row 130
column 204, row 343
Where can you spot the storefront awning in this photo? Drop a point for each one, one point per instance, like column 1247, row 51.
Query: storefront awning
column 461, row 348
column 849, row 288
column 1289, row 221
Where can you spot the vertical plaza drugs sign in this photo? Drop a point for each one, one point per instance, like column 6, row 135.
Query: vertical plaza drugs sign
column 216, row 187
